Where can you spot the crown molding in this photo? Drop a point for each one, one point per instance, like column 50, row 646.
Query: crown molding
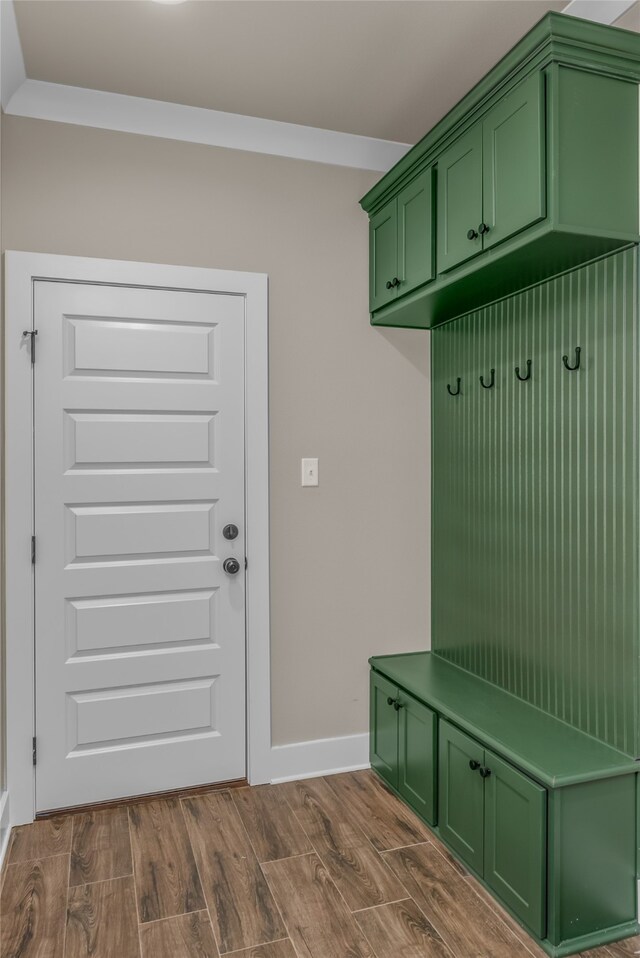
column 127, row 114
column 12, row 71
column 174, row 121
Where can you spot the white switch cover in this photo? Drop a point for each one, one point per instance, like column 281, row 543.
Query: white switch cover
column 309, row 472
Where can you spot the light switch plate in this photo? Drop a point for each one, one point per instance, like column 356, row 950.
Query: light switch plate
column 309, row 472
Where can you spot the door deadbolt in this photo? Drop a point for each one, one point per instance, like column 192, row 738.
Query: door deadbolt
column 230, row 531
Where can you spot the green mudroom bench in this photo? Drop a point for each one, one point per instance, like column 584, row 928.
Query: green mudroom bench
column 543, row 814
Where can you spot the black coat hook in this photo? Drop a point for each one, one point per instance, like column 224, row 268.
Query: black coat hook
column 523, row 379
column 576, row 365
column 490, row 384
column 450, row 391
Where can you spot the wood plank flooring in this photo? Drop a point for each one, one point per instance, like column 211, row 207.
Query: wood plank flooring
column 333, row 867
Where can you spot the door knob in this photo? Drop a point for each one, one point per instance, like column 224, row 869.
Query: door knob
column 473, row 765
column 230, row 531
column 471, row 234
column 231, row 566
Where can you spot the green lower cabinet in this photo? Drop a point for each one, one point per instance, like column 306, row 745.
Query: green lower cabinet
column 593, row 889
column 383, row 739
column 515, row 841
column 560, row 853
column 403, row 745
column 495, row 818
column 461, row 794
column 417, row 751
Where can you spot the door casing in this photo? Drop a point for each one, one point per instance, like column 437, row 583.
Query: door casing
column 21, row 271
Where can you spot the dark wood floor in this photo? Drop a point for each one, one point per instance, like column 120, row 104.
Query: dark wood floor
column 326, row 868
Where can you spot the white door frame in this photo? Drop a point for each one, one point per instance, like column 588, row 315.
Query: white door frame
column 21, row 270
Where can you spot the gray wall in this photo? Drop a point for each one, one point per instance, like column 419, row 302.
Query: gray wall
column 349, row 559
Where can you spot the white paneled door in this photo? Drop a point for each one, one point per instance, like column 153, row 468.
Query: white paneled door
column 139, row 467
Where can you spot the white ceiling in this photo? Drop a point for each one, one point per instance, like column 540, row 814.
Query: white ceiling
column 380, row 68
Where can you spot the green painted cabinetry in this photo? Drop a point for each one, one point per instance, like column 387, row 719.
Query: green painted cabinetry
column 515, row 840
column 383, row 741
column 460, row 200
column 403, row 745
column 513, row 162
column 494, row 817
column 544, row 815
column 401, row 245
column 383, row 256
column 491, row 180
column 536, row 171
column 461, row 794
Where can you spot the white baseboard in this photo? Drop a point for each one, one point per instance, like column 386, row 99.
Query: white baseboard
column 323, row 756
column 5, row 827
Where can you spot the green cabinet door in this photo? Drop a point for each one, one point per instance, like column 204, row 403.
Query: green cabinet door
column 513, row 167
column 417, row 755
column 383, row 728
column 416, row 264
column 515, row 841
column 383, row 256
column 461, row 794
column 460, row 200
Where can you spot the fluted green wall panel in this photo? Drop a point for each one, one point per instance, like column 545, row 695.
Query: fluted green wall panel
column 536, row 498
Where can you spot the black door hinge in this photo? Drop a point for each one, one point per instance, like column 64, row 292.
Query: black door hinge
column 245, row 563
column 33, row 550
column 34, row 751
column 32, row 333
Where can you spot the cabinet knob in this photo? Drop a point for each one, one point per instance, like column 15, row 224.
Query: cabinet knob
column 471, row 235
column 390, row 701
column 392, row 283
column 389, row 284
column 483, row 228
column 398, row 705
column 485, row 772
column 473, row 765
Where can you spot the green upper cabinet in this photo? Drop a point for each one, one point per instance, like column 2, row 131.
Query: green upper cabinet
column 401, row 248
column 491, row 181
column 537, row 172
column 513, row 166
column 416, row 263
column 460, row 200
column 383, row 256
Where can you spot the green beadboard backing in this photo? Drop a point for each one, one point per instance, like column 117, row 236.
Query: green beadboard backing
column 536, row 499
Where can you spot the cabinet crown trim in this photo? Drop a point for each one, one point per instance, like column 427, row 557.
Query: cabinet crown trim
column 555, row 38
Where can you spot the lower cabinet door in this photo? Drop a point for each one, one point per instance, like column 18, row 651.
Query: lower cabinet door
column 417, row 756
column 383, row 728
column 515, row 841
column 461, row 794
